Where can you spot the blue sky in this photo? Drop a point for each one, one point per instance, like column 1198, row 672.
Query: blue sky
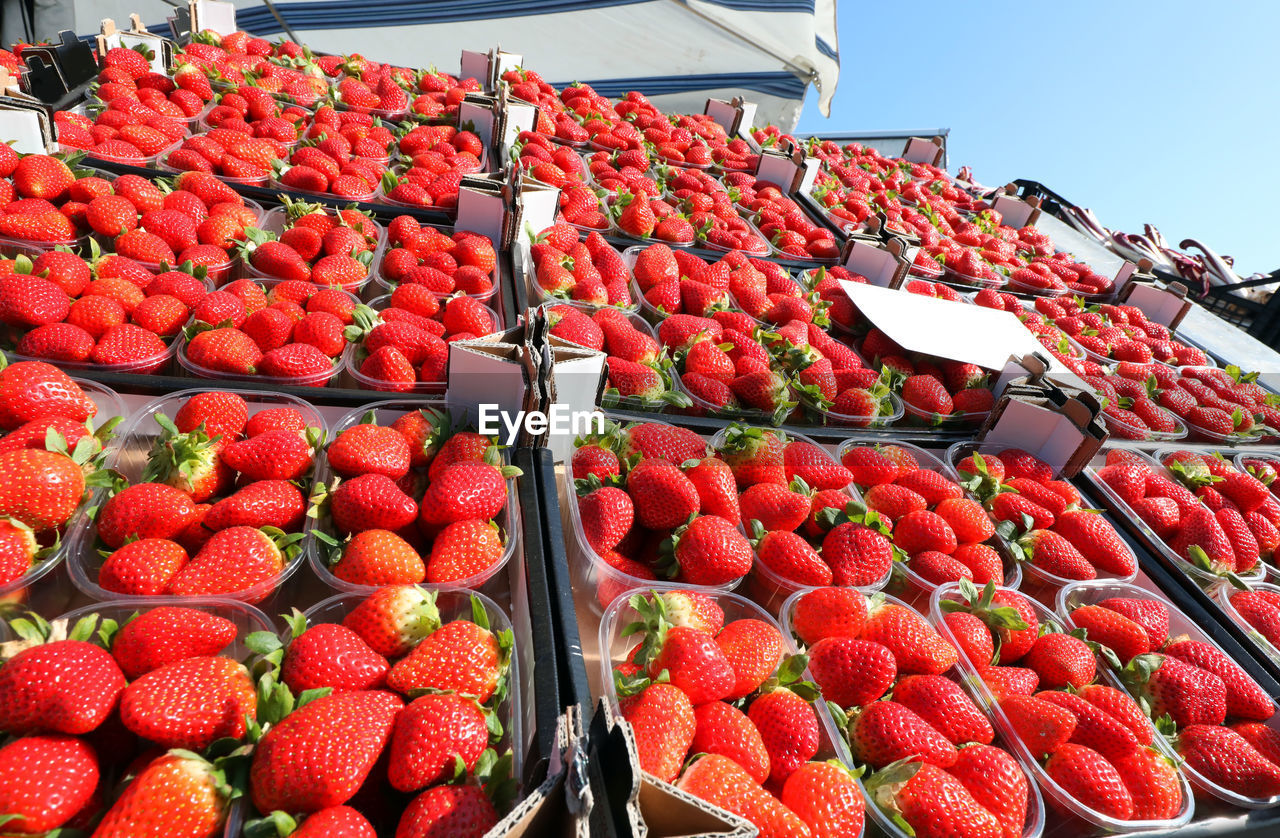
column 1143, row 111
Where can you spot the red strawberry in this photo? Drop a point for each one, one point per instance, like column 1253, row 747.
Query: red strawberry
column 1042, row 725
column 67, row 686
column 167, row 634
column 462, row 655
column 177, row 794
column 664, row 724
column 45, row 781
column 190, row 703
column 932, row 802
column 997, row 783
column 723, row 783
column 1086, row 776
column 1225, row 758
column 945, row 706
column 434, row 736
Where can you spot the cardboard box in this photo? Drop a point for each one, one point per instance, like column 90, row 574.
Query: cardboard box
column 1166, row 306
column 575, row 381
column 882, row 265
column 161, row 49
column 653, row 808
column 213, row 15
column 920, row 150
column 735, row 116
column 1063, row 427
column 1015, row 211
column 561, row 805
column 498, row 369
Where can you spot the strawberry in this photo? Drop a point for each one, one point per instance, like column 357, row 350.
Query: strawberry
column 66, row 686
column 333, row 820
column 723, row 783
column 1086, row 776
column 828, row 612
column 1152, row 781
column 143, row 567
column 814, row 466
column 886, row 731
column 789, row 729
column 39, row 489
column 224, row 349
column 45, row 781
column 1115, row 631
column 916, row 646
column 851, row 673
column 1061, row 660
column 266, row 503
column 1051, row 553
column 827, row 798
column 857, row 554
column 222, row 414
column 368, row 448
column 461, row 655
column 1225, row 758
column 371, row 501
column 32, row 389
column 753, row 649
column 145, row 510
column 790, row 556
column 168, row 634
column 940, row 702
column 190, row 703
column 235, row 560
column 997, row 783
column 723, row 729
column 933, row 803
column 435, row 735
column 320, row 754
column 1043, row 726
column 776, row 508
column 1021, row 511
column 1202, row 542
column 664, row 724
column 461, row 810
column 755, row 455
column 1096, row 540
column 1188, row 694
column 1006, row 612
column 465, row 490
column 329, row 655
column 717, row 489
column 177, row 795
column 464, row 550
column 191, row 463
column 1151, row 614
column 1005, row 681
column 709, row 551
column 1245, row 699
column 394, row 619
column 1095, row 728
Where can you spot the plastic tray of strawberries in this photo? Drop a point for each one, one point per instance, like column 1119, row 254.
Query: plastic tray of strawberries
column 1033, row 575
column 616, row 646
column 492, row 581
column 766, row 585
column 1058, row 797
column 389, row 273
column 109, row 406
column 1204, row 577
column 1181, row 628
column 906, row 581
column 538, row 294
column 88, row 553
column 1034, row 822
column 451, row 606
column 279, row 219
column 356, row 354
column 604, row 580
column 1259, row 432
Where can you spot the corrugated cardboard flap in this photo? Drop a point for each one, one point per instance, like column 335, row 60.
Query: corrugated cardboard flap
column 882, row 265
column 561, row 805
column 495, row 369
column 1062, row 427
column 1167, row 306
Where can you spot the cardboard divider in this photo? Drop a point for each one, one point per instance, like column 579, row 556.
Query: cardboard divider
column 213, row 15
column 1065, row 429
column 161, row 48
column 882, row 265
column 497, row 370
column 735, row 116
column 1166, row 306
column 1017, row 212
column 920, row 150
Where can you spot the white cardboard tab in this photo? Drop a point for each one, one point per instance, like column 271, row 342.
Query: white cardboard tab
column 504, row 61
column 722, row 112
column 478, row 374
column 920, row 150
column 482, row 212
column 481, row 118
column 954, row 330
column 1158, row 305
column 22, row 128
column 812, row 165
column 875, row 263
column 1048, row 435
column 520, row 117
column 215, row 15
column 1126, row 272
column 778, row 168
column 475, row 65
column 575, row 383
column 1013, row 211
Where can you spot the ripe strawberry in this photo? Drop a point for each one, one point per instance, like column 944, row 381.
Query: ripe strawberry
column 789, row 729
column 916, row 646
column 433, row 736
column 462, row 810
column 814, row 466
column 825, row 796
column 723, row 729
column 723, row 783
column 1086, row 776
column 1245, row 699
column 857, row 555
column 331, row 655
column 607, row 515
column 940, row 702
column 143, row 567
column 271, row 455
column 664, row 724
column 709, row 551
column 1225, row 758
column 1061, row 660
column 66, row 686
column 1151, row 614
column 828, row 612
column 333, row 820
column 464, row 550
column 1017, row 508
column 190, row 703
column 1152, row 781
column 1042, row 725
column 932, row 802
column 222, row 414
column 1096, row 540
column 177, row 795
column 461, row 655
column 371, row 501
column 32, row 389
column 997, row 783
column 266, row 503
column 1190, row 695
column 168, row 634
column 39, row 489
column 145, row 510
column 45, row 781
column 1053, row 554
column 886, row 731
column 319, row 755
column 717, row 490
column 1115, row 631
column 234, row 560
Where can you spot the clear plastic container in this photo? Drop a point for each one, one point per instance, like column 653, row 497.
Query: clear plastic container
column 540, row 296
column 1224, row 594
column 1035, row 290
column 755, row 416
column 912, row 584
column 277, row 220
column 247, row 619
column 492, row 582
column 615, row 647
column 953, row 277
column 893, row 409
column 1204, row 578
column 380, row 279
column 453, row 605
column 155, row 365
column 130, row 460
column 161, row 163
column 197, row 371
column 1055, row 794
column 11, row 247
column 1036, row 578
column 1125, row 430
column 1182, row 627
column 1035, row 822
